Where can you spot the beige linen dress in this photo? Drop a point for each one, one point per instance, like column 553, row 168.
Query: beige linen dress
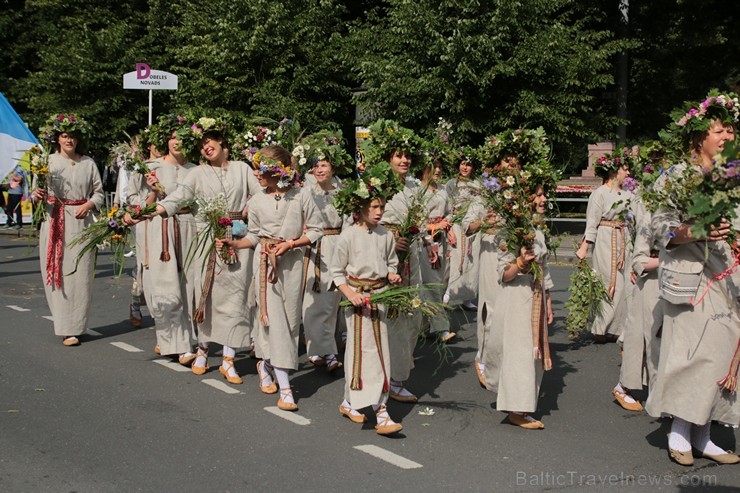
column 509, row 348
column 365, row 254
column 70, row 181
column 465, row 255
column 403, row 331
column 289, row 218
column 601, row 206
column 320, row 302
column 170, row 293
column 227, row 320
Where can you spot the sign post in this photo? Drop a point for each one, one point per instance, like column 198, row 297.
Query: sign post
column 147, row 79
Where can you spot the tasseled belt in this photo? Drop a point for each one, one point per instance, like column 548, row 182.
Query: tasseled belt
column 165, row 256
column 316, row 288
column 199, row 315
column 617, row 259
column 541, row 345
column 268, row 274
column 366, row 286
column 55, row 248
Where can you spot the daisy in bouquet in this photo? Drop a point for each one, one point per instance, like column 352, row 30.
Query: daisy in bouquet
column 214, row 212
column 109, row 230
column 39, row 164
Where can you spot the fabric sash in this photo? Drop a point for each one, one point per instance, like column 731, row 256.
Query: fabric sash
column 617, row 258
column 366, row 286
column 55, row 248
column 165, row 256
column 541, row 345
column 317, row 259
column 268, row 274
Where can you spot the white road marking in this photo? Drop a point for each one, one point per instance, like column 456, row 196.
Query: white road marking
column 94, row 333
column 127, row 347
column 18, row 308
column 172, row 365
column 48, row 317
column 217, row 384
column 290, row 416
column 388, row 456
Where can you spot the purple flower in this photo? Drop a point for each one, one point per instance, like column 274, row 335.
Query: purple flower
column 671, row 234
column 113, row 224
column 492, row 184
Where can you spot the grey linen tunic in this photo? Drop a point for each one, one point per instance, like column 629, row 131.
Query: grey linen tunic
column 699, row 339
column 509, row 348
column 70, row 180
column 465, row 255
column 437, row 202
column 289, row 218
column 227, row 319
column 170, row 294
column 601, row 206
column 365, row 254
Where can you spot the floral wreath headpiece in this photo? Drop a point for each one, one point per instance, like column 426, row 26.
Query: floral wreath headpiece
column 249, row 142
column 161, row 132
column 274, row 167
column 527, row 145
column 377, row 182
column 323, row 146
column 610, row 163
column 65, row 123
column 698, row 116
column 191, row 136
column 387, row 136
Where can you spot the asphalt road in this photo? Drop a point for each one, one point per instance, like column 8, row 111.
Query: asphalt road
column 111, row 416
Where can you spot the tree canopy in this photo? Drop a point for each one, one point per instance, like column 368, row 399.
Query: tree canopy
column 483, row 66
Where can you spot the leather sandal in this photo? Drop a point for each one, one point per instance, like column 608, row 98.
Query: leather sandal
column 681, row 458
column 621, row 398
column 186, row 359
column 355, row 418
column 228, row 362
column 479, row 372
column 200, row 370
column 317, row 361
column 332, row 363
column 264, row 374
column 386, row 426
column 729, row 457
column 286, row 406
column 134, row 316
column 71, row 341
column 396, row 396
column 525, row 421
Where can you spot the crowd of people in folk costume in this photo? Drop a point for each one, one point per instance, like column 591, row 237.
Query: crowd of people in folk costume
column 299, row 239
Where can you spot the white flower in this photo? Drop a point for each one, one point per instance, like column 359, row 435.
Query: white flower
column 302, row 161
column 526, row 174
column 206, row 123
column 307, row 147
column 416, row 303
column 510, row 180
column 514, row 207
column 362, row 190
column 375, row 182
column 507, row 194
column 249, row 135
column 427, row 411
column 320, row 157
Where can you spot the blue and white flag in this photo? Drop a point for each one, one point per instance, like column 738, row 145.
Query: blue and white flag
column 15, row 138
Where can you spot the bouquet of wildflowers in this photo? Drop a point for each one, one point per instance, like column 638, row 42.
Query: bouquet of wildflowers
column 586, row 298
column 109, row 230
column 405, row 299
column 39, row 164
column 413, row 224
column 214, row 213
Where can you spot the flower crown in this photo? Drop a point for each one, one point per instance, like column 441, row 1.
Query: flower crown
column 323, row 146
column 190, row 136
column 377, row 182
column 387, row 136
column 160, row 132
column 610, row 163
column 61, row 123
column 273, row 167
column 249, row 142
column 696, row 117
column 528, row 145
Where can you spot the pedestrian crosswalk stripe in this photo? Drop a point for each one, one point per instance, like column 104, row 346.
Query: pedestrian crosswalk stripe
column 127, row 347
column 388, row 456
column 172, row 365
column 217, row 384
column 290, row 416
column 18, row 308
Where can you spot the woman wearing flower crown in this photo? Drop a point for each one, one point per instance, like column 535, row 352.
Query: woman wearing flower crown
column 606, row 230
column 283, row 219
column 440, row 236
column 320, row 301
column 398, row 145
column 73, row 190
column 464, row 254
column 701, row 298
column 517, row 345
column 170, row 284
column 365, row 263
column 221, row 288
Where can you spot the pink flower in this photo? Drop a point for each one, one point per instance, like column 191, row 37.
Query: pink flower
column 225, row 221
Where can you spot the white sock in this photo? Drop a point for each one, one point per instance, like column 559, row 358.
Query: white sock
column 627, row 397
column 352, row 411
column 281, row 375
column 526, row 416
column 229, row 352
column 202, row 358
column 398, row 388
column 678, row 439
column 381, row 414
column 481, row 366
column 266, row 380
column 700, row 440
